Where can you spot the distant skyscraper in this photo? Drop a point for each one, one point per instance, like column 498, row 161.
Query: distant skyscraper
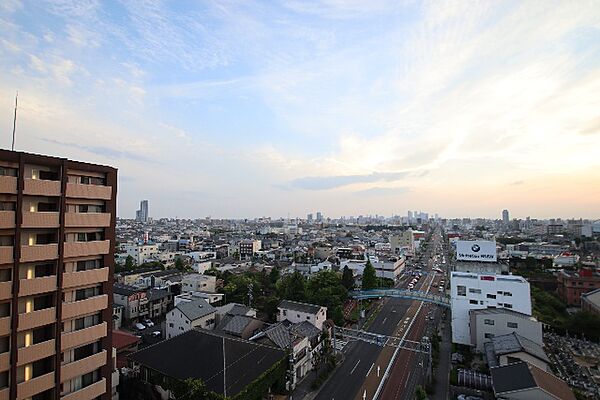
column 410, row 215
column 505, row 218
column 141, row 215
column 319, row 217
column 309, row 218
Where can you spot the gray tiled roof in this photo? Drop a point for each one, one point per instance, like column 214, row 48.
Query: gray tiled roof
column 196, row 309
column 237, row 324
column 301, row 307
column 513, row 343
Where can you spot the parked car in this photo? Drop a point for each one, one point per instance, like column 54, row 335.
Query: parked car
column 139, row 326
column 156, row 334
column 149, row 323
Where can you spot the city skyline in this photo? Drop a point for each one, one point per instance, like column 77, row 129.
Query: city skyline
column 235, row 111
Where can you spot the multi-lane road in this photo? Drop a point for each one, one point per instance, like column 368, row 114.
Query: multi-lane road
column 389, row 372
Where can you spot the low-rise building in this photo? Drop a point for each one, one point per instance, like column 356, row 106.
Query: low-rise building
column 199, row 283
column 295, row 312
column 200, row 354
column 133, row 300
column 523, row 381
column 189, row 315
column 247, row 248
column 212, row 298
column 511, row 348
column 591, row 301
column 487, row 323
column 572, row 285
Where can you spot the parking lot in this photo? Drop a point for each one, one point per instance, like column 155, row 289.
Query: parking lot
column 575, row 361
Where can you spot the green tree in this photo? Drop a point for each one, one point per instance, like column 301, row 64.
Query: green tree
column 326, row 289
column 179, row 264
column 347, row 278
column 274, row 275
column 369, row 279
column 292, row 287
column 129, row 263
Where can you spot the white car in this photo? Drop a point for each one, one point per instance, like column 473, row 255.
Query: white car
column 149, row 323
column 139, row 326
column 411, row 286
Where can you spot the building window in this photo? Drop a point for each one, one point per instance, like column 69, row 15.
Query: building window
column 488, row 321
column 461, row 290
column 507, row 293
column 507, row 305
column 476, row 291
column 512, row 325
column 491, row 296
column 489, row 335
column 473, row 302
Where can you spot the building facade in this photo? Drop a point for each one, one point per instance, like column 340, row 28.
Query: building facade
column 57, row 239
column 141, row 215
column 472, row 291
column 488, row 323
column 572, row 285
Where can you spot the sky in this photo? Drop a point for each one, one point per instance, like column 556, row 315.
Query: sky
column 241, row 109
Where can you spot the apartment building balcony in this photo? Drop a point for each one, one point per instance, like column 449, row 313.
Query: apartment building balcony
column 82, row 307
column 82, row 336
column 5, row 290
column 42, row 219
column 5, row 394
column 89, row 392
column 29, row 354
column 37, row 318
column 81, row 191
column 7, row 219
column 8, row 184
column 87, row 220
column 82, row 278
column 84, row 249
column 83, row 366
column 30, row 287
column 34, row 386
column 41, row 187
column 39, row 252
column 5, row 361
column 6, row 254
column 5, row 325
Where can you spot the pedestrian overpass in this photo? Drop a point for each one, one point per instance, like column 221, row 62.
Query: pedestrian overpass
column 440, row 300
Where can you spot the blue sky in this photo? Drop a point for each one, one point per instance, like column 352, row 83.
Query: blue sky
column 242, row 109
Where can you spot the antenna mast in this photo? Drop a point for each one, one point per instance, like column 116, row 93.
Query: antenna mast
column 14, row 122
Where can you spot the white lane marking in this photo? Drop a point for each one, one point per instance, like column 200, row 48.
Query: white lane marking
column 358, row 362
column 369, row 371
column 407, row 380
column 385, row 319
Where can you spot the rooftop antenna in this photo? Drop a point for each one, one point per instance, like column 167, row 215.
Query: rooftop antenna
column 14, row 122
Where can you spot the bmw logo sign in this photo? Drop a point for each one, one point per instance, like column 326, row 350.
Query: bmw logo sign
column 475, row 248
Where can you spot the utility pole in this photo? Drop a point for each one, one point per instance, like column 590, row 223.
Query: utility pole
column 224, row 371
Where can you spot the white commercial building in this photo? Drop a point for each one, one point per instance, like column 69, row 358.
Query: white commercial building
column 476, row 250
column 473, row 291
column 140, row 252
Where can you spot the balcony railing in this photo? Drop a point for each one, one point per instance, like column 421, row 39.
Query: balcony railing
column 37, row 318
column 30, row 287
column 36, row 352
column 5, row 325
column 79, row 191
column 39, row 252
column 82, row 336
column 89, row 392
column 34, row 386
column 84, row 249
column 82, row 307
column 40, row 187
column 6, row 254
column 87, row 220
column 83, row 366
column 7, row 219
column 81, row 278
column 43, row 219
column 8, row 184
column 5, row 290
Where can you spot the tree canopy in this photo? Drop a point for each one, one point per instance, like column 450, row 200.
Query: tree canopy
column 369, row 279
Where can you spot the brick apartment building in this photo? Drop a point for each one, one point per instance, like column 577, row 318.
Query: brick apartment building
column 571, row 285
column 57, row 239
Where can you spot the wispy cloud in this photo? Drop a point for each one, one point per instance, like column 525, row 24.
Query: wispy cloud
column 332, row 182
column 382, row 191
